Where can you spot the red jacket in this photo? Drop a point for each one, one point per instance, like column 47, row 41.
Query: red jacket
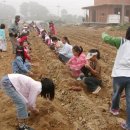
column 26, row 54
column 52, row 29
column 22, row 39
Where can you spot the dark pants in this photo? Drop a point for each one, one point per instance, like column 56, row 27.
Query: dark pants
column 85, row 71
column 91, row 82
column 62, row 58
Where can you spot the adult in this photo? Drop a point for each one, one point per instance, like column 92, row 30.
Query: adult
column 14, row 32
column 120, row 73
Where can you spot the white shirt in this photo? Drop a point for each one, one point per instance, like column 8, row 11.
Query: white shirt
column 66, row 50
column 122, row 62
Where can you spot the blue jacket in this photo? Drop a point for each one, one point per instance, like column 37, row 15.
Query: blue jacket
column 20, row 67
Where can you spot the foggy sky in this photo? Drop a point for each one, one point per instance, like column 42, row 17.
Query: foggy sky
column 72, row 6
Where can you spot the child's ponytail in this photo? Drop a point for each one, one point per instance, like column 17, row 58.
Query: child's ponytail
column 81, row 49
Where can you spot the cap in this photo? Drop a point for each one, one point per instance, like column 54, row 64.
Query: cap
column 90, row 55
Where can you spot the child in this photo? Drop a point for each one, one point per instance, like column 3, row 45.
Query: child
column 23, row 90
column 46, row 38
column 92, row 71
column 26, row 28
column 22, row 38
column 20, row 65
column 42, row 33
column 57, row 45
column 3, row 44
column 52, row 28
column 77, row 61
column 66, row 52
column 14, row 31
column 37, row 30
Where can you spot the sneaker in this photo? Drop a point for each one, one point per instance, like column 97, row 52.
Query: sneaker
column 82, row 76
column 124, row 126
column 114, row 112
column 97, row 90
column 25, row 127
column 78, row 78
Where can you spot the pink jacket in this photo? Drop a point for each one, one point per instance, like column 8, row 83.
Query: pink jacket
column 76, row 63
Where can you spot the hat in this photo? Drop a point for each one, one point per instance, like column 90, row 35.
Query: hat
column 25, row 27
column 90, row 55
column 24, row 32
column 41, row 30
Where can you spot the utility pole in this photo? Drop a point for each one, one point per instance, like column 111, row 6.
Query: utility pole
column 58, row 10
column 122, row 12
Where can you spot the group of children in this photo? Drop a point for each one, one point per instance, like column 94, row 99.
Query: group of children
column 21, row 63
column 23, row 90
column 82, row 67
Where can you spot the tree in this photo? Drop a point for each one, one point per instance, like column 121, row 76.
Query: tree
column 7, row 13
column 24, row 9
column 63, row 12
column 34, row 11
column 69, row 18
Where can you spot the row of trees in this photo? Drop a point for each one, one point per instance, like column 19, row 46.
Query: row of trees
column 69, row 18
column 7, row 12
column 36, row 11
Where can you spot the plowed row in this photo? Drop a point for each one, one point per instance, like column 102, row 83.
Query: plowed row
column 70, row 110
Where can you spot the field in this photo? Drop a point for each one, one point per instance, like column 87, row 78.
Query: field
column 70, row 110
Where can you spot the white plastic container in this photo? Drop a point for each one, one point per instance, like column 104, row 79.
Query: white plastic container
column 113, row 18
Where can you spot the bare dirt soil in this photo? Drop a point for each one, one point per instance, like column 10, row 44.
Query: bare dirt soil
column 70, row 110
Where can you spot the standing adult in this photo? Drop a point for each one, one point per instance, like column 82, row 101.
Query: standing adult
column 120, row 73
column 14, row 32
